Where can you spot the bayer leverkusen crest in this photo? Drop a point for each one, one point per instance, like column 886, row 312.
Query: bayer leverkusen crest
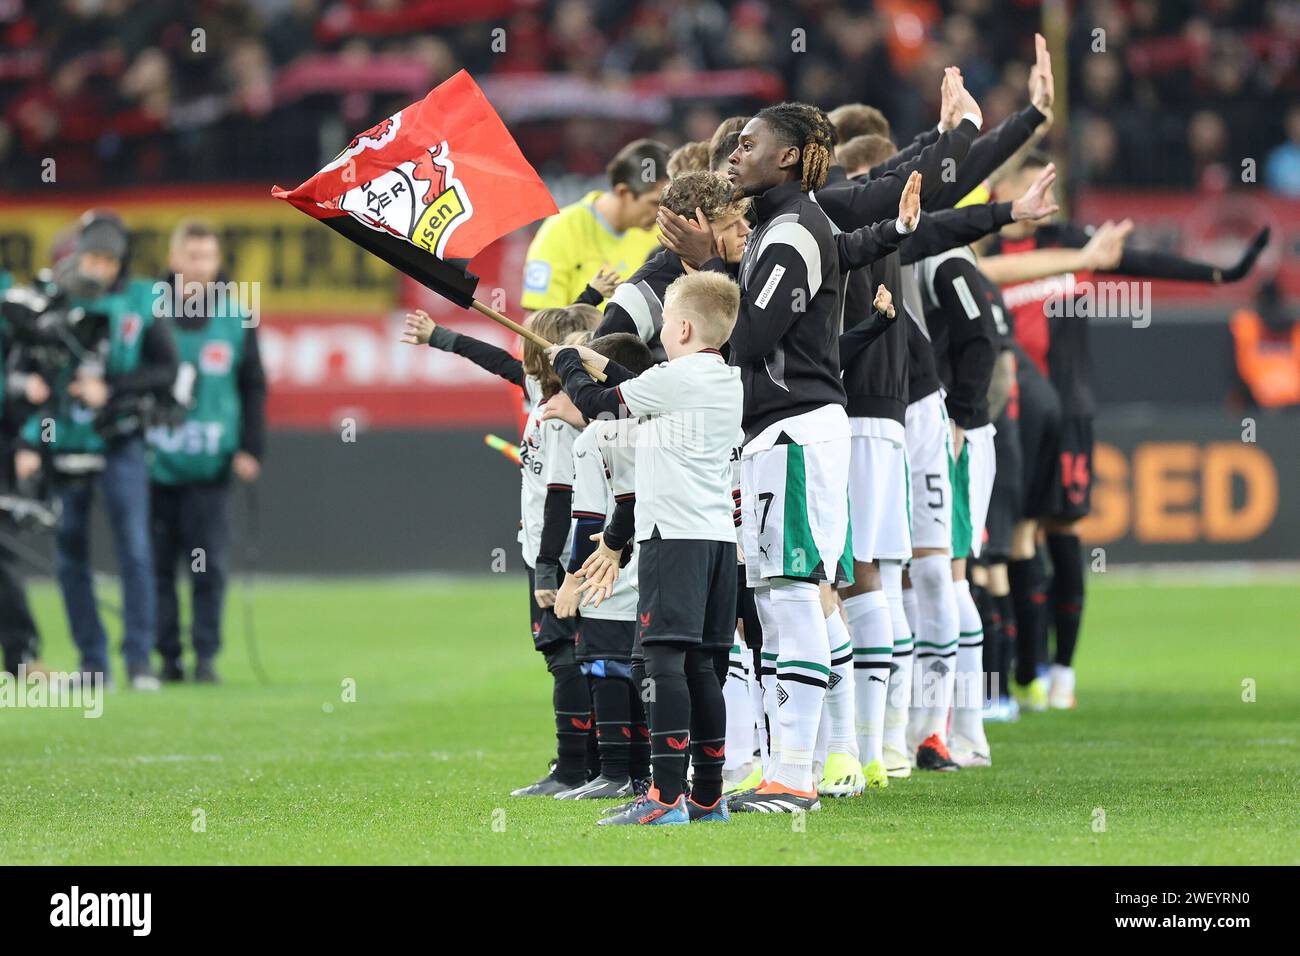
column 420, row 200
column 437, row 181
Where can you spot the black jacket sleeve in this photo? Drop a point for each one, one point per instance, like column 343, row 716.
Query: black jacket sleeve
column 972, row 338
column 861, row 201
column 946, row 229
column 158, row 363
column 985, row 156
column 907, row 153
column 863, row 334
column 589, row 296
column 861, row 247
column 252, row 398
column 487, row 357
column 1152, row 264
column 590, row 397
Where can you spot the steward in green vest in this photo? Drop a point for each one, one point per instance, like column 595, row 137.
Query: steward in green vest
column 222, row 389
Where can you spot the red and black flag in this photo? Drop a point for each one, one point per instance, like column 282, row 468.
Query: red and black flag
column 430, row 185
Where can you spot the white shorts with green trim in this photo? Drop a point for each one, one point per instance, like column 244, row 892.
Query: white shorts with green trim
column 794, row 488
column 972, row 486
column 879, row 486
column 929, row 460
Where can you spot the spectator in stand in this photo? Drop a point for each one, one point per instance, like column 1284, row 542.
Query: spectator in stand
column 1282, row 168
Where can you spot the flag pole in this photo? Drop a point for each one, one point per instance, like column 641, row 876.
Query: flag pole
column 526, row 333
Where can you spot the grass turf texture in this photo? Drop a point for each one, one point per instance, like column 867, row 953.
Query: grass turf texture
column 451, row 712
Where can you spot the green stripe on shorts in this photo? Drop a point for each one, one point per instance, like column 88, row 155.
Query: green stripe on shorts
column 800, row 553
column 959, row 473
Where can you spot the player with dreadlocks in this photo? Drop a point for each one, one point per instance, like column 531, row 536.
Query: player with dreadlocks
column 794, row 467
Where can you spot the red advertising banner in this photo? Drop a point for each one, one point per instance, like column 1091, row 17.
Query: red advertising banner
column 1212, row 227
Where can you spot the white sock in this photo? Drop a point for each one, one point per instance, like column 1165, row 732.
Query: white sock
column 936, row 642
column 823, row 745
column 873, row 651
column 767, row 658
column 915, row 718
column 839, row 693
column 899, row 698
column 758, row 732
column 740, row 719
column 803, row 667
column 968, row 700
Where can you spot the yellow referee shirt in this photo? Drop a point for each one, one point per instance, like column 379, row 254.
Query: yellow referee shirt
column 569, row 249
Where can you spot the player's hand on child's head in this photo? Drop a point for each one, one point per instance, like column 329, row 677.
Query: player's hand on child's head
column 605, row 281
column 692, row 241
column 419, row 328
column 909, row 203
column 561, row 406
column 884, row 302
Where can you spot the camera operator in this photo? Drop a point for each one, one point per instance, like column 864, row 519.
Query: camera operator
column 222, row 434
column 90, row 433
column 19, row 643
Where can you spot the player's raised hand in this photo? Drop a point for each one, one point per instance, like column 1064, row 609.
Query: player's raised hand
column 1106, row 246
column 561, row 406
column 909, row 203
column 605, row 281
column 693, row 242
column 1038, row 201
column 949, row 100
column 884, row 302
column 965, row 102
column 419, row 328
column 1042, row 86
column 1247, row 260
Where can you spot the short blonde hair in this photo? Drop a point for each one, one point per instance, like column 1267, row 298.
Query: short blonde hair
column 188, row 229
column 688, row 158
column 709, row 300
column 863, row 152
column 858, row 119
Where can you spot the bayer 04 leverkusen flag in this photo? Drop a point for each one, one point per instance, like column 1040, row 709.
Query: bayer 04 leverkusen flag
column 428, row 186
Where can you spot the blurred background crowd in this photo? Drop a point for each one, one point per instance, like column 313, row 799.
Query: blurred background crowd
column 130, row 91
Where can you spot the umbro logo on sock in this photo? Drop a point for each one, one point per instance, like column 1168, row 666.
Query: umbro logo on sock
column 835, row 679
column 939, row 667
column 781, row 696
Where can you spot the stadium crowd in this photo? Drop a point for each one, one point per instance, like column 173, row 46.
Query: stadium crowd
column 126, row 91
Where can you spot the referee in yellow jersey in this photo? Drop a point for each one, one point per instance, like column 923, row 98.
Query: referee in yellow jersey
column 613, row 229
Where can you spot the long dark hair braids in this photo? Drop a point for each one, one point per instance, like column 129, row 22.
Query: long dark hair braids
column 808, row 128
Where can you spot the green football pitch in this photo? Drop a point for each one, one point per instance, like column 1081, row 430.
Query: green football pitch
column 1183, row 749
